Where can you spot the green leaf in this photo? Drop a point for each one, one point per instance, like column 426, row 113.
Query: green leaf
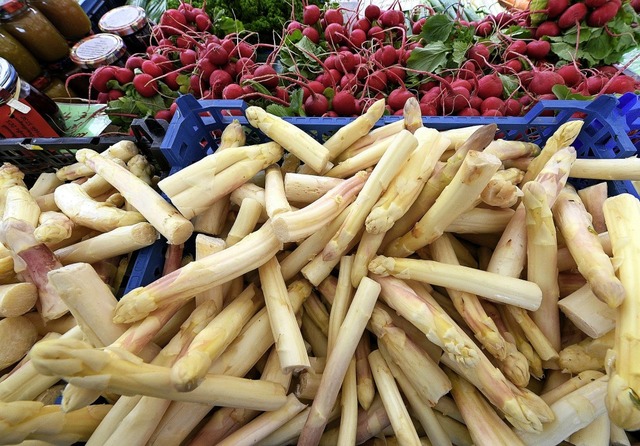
column 459, row 54
column 278, row 110
column 538, row 17
column 509, row 84
column 437, row 28
column 430, row 58
column 114, row 85
column 329, row 93
column 295, row 102
column 227, row 25
column 563, row 50
column 599, row 48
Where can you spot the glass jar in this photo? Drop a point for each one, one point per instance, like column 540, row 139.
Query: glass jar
column 31, row 28
column 57, row 90
column 20, row 57
column 24, row 111
column 130, row 23
column 67, row 16
column 98, row 50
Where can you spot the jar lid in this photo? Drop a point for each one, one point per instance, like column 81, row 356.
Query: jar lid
column 8, row 80
column 124, row 20
column 97, row 50
column 9, row 8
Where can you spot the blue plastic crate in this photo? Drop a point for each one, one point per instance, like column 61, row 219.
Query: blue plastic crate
column 609, row 131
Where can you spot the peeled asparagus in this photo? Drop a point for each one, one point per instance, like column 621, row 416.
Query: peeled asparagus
column 123, row 150
column 21, row 205
column 355, row 130
column 17, row 336
column 17, row 299
column 54, row 227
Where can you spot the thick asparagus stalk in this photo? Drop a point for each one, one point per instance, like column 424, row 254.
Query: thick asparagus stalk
column 588, row 313
column 607, row 169
column 288, row 338
column 459, row 195
column 363, row 160
column 123, row 150
column 481, row 221
column 375, row 135
column 341, row 301
column 200, row 275
column 301, row 188
column 510, row 150
column 54, row 227
column 338, row 362
column 365, row 253
column 19, row 204
column 45, row 184
column 390, row 164
column 593, row 263
column 294, row 140
column 364, row 378
column 17, row 299
column 588, row 354
column 275, row 197
column 392, row 400
column 593, row 198
column 17, row 336
column 245, row 222
column 205, row 246
column 352, row 132
column 164, row 217
column 297, row 225
column 110, row 244
column 502, row 190
column 212, row 220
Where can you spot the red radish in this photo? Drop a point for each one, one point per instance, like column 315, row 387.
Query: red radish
column 462, row 83
column 398, row 97
column 227, row 44
column 604, row 14
column 205, row 68
column 163, row 114
column 378, row 81
column 503, row 19
column 173, row 18
column 593, row 4
column 389, row 19
column 386, row 55
column 428, row 110
column 475, row 102
column 334, row 33
column 490, row 86
column 525, row 78
column 344, row 103
column 231, row 69
column 512, row 107
column 245, row 65
column 102, row 98
column 311, row 14
column 267, row 76
column 203, row 22
column 330, row 114
column 467, row 70
column 100, row 77
column 525, row 101
column 417, row 26
column 358, row 37
column 513, row 66
column 484, row 29
column 492, row 104
column 283, row 94
column 316, row 105
column 171, row 80
column 218, row 80
column 362, row 24
column 635, row 4
column 456, row 100
column 396, row 74
column 333, row 16
column 376, row 33
column 543, row 82
column 293, row 26
column 134, row 62
column 313, row 86
column 493, row 113
column 620, row 84
column 538, row 49
column 480, row 54
column 345, row 62
column 608, row 70
column 145, row 85
column 195, row 84
column 372, row 12
column 348, row 81
column 149, row 67
column 115, row 95
column 516, row 49
column 187, row 10
column 556, row 7
column 163, row 62
column 469, row 112
column 173, row 108
column 311, row 34
column 188, row 57
column 242, row 49
column 123, row 75
column 549, row 29
column 361, row 71
column 570, row 74
column 232, row 91
column 184, row 42
column 572, row 16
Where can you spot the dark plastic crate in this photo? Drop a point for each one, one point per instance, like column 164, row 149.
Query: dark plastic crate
column 609, row 131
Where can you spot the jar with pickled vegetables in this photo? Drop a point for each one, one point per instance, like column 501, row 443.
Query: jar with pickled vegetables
column 130, row 23
column 33, row 30
column 67, row 16
column 20, row 57
column 25, row 111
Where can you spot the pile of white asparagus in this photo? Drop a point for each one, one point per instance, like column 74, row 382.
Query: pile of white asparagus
column 396, row 285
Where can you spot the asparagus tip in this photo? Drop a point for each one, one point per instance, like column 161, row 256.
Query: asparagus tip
column 136, row 305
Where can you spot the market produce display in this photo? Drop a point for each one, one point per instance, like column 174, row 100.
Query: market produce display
column 328, row 280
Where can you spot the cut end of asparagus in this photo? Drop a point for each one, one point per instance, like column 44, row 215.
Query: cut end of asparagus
column 381, row 266
column 609, row 290
column 136, row 305
column 188, row 371
column 623, row 403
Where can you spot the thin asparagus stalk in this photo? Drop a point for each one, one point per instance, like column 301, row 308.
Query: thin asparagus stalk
column 502, row 190
column 563, row 137
column 288, row 433
column 588, row 354
column 607, row 169
column 437, row 435
column 367, row 158
column 375, row 135
column 301, row 188
column 595, row 434
column 245, row 222
column 468, row 305
column 308, row 385
column 123, row 150
column 319, row 268
column 588, row 313
column 390, row 164
column 317, row 312
column 19, row 204
column 293, row 226
column 110, row 244
column 45, row 184
column 294, row 140
column 510, row 150
column 534, row 361
column 572, row 413
column 289, row 343
column 355, row 130
column 392, row 400
column 349, row 406
column 365, row 253
column 341, row 301
column 200, row 275
column 17, row 299
column 491, row 286
column 205, row 246
column 327, row 289
column 212, row 220
column 542, row 253
column 54, row 227
column 593, row 198
column 17, row 336
column 459, row 195
column 364, row 378
column 314, row 336
column 523, row 409
column 372, row 421
column 593, row 263
column 481, row 221
column 37, row 261
column 428, row 380
column 77, row 362
column 209, row 343
column 85, row 211
column 274, row 196
column 338, row 362
column 31, row 420
column 162, row 215
column 485, row 426
column 406, row 186
column 434, row 186
column 571, row 385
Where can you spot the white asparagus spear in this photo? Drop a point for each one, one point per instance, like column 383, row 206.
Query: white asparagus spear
column 17, row 299
column 19, row 204
column 54, row 227
column 341, row 301
column 45, row 184
column 593, row 198
column 352, row 132
column 375, row 135
column 246, row 221
column 367, row 158
column 212, row 220
column 123, row 150
column 17, row 336
column 607, row 169
column 274, row 194
column 595, row 434
column 10, row 176
column 164, row 217
column 139, row 166
column 301, row 188
column 588, row 354
column 588, row 313
column 205, row 246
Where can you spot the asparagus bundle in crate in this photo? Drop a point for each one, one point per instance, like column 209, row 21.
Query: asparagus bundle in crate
column 332, row 284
